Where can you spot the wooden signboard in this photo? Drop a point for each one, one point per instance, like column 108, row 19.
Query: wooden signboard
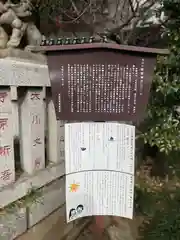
column 101, row 81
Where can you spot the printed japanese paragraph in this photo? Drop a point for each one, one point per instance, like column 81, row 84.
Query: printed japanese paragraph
column 99, row 169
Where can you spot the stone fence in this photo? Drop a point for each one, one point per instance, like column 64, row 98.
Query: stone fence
column 31, row 146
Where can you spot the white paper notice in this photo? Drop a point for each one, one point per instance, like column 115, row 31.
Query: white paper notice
column 99, row 169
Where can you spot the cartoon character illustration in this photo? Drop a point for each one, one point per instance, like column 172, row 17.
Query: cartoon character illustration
column 72, row 213
column 79, row 208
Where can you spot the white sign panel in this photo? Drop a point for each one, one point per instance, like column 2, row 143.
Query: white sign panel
column 99, row 169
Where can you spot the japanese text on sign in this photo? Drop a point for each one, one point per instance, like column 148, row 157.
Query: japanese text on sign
column 99, row 169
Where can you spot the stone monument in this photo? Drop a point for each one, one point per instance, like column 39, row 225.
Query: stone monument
column 17, row 17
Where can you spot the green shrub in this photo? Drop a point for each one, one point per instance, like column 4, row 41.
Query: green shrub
column 165, row 224
column 162, row 125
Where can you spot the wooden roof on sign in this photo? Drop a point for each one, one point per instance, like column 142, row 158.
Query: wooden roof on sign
column 101, row 46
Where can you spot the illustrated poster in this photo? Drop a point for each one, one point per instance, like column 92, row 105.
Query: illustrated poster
column 99, row 169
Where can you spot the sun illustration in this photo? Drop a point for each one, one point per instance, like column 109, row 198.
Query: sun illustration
column 74, row 187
